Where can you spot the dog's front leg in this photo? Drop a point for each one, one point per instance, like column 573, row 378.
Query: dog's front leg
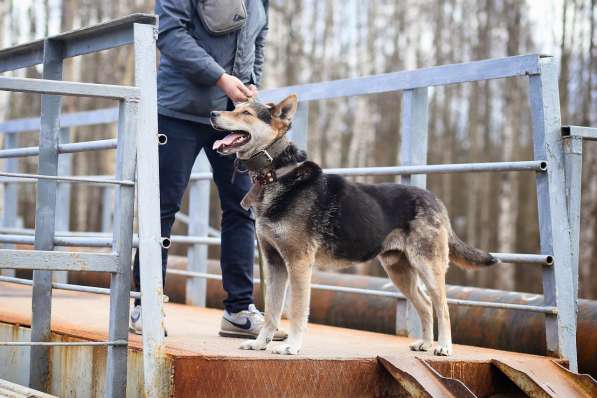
column 276, row 278
column 298, row 312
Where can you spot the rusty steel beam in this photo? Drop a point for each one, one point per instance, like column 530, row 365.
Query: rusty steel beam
column 546, row 379
column 501, row 329
column 421, row 380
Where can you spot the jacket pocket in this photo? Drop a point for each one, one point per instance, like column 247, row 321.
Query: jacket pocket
column 180, row 95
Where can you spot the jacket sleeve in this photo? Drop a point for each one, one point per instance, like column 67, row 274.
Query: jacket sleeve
column 259, row 48
column 176, row 43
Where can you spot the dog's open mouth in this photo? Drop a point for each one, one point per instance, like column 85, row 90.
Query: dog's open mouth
column 234, row 139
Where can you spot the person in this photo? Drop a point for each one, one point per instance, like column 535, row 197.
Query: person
column 199, row 72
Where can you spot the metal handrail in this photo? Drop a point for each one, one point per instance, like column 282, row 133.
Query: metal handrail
column 68, row 179
column 73, row 147
column 66, row 286
column 397, row 295
column 87, row 40
column 59, row 87
column 137, row 112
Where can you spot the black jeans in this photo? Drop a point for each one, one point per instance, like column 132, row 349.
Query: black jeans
column 185, row 140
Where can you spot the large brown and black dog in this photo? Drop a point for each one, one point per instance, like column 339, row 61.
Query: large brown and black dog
column 305, row 217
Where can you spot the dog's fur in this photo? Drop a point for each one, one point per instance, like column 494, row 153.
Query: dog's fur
column 307, row 217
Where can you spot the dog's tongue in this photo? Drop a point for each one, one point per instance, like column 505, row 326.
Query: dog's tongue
column 228, row 140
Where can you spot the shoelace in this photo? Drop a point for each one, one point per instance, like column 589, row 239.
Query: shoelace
column 253, row 311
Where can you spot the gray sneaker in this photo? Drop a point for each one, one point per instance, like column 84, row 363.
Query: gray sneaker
column 135, row 323
column 246, row 324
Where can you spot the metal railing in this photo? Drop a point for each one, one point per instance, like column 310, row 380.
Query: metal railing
column 556, row 164
column 136, row 155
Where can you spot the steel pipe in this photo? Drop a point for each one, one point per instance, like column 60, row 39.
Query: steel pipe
column 382, row 293
column 61, row 343
column 100, row 181
column 524, row 258
column 104, row 240
column 532, row 165
column 58, row 87
column 97, row 145
column 98, row 239
column 19, row 152
column 68, row 179
column 401, row 170
column 201, row 176
column 66, row 286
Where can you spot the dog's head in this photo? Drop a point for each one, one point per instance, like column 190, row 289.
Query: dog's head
column 253, row 126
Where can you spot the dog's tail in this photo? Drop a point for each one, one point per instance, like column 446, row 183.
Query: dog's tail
column 466, row 256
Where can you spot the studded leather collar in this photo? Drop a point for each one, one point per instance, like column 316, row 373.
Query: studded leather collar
column 261, row 164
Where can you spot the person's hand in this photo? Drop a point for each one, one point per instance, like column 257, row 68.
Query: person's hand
column 254, row 90
column 234, row 88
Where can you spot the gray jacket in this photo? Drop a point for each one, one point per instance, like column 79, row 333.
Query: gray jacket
column 192, row 60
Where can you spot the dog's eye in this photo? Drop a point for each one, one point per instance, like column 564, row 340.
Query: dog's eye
column 247, row 113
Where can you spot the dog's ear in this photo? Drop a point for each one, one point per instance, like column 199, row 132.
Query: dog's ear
column 286, row 108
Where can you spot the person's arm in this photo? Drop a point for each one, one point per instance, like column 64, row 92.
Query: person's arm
column 259, row 48
column 176, row 43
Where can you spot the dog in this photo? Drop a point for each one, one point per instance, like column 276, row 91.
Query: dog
column 304, row 217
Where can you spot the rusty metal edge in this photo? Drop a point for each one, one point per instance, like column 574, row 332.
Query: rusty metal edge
column 585, row 381
column 17, row 390
column 525, row 382
column 455, row 386
column 406, row 380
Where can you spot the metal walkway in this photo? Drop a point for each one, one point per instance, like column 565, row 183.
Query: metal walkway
column 334, row 362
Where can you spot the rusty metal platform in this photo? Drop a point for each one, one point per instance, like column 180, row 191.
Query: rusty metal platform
column 334, row 361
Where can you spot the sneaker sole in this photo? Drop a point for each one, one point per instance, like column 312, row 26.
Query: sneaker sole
column 241, row 335
column 135, row 331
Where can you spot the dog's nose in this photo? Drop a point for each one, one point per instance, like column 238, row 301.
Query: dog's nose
column 213, row 114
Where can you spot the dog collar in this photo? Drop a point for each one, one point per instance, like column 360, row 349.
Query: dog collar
column 263, row 172
column 264, row 158
column 261, row 164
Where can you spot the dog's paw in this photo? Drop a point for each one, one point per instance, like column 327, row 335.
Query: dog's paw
column 253, row 345
column 285, row 349
column 443, row 350
column 420, row 345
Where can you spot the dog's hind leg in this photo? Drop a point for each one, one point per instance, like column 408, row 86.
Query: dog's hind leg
column 428, row 254
column 276, row 279
column 299, row 270
column 406, row 279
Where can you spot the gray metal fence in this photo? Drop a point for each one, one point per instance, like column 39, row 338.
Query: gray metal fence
column 136, row 167
column 556, row 163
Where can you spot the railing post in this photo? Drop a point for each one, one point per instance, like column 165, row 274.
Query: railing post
column 554, row 229
column 196, row 288
column 156, row 377
column 300, row 126
column 573, row 167
column 413, row 151
column 10, row 210
column 63, row 198
column 45, row 217
column 107, row 201
column 122, row 245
